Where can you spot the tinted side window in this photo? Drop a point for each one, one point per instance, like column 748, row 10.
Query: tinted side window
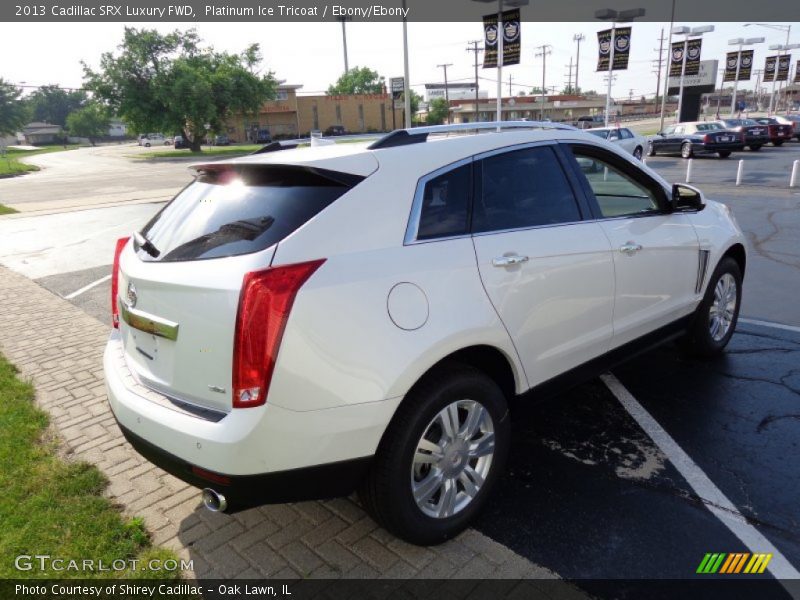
column 617, row 192
column 241, row 209
column 523, row 188
column 445, row 204
column 626, row 134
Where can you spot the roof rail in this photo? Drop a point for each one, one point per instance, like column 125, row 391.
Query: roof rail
column 418, row 135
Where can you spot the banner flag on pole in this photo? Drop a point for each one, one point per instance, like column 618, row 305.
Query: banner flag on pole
column 512, row 39
column 622, row 48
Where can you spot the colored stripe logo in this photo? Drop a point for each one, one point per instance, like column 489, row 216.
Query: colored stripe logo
column 731, row 564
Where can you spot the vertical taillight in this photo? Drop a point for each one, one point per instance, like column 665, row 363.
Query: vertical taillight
column 264, row 305
column 115, row 281
column 706, row 139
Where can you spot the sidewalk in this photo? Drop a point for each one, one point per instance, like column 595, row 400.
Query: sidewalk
column 59, row 348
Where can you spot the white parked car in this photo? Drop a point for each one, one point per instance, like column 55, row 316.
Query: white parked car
column 623, row 137
column 305, row 323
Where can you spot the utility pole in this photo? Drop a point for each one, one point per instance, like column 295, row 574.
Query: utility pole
column 578, row 38
column 510, row 78
column 569, row 77
column 475, row 49
column 344, row 44
column 659, row 62
column 446, row 91
column 545, row 50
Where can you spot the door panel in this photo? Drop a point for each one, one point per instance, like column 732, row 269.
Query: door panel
column 548, row 274
column 655, row 252
column 557, row 305
column 654, row 285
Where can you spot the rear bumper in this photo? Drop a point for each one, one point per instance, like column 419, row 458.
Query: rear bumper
column 756, row 139
column 259, row 441
column 245, row 491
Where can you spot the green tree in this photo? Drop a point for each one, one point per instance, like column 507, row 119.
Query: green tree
column 52, row 104
column 358, row 80
column 13, row 111
column 170, row 83
column 91, row 121
column 437, row 111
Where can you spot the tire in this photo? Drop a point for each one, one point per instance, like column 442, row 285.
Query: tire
column 637, row 153
column 755, row 147
column 778, row 143
column 724, row 153
column 703, row 339
column 651, row 150
column 686, row 150
column 147, row 144
column 388, row 491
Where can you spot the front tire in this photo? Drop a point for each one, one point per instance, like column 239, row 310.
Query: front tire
column 686, row 150
column 718, row 313
column 637, row 153
column 755, row 147
column 440, row 456
column 724, row 153
column 778, row 143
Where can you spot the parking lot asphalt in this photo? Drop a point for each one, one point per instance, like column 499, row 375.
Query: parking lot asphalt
column 614, row 506
column 590, row 493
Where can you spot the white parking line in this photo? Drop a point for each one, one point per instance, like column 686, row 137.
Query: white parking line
column 770, row 324
column 714, row 499
column 86, row 288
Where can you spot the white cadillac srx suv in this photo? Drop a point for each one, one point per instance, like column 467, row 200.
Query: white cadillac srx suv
column 309, row 322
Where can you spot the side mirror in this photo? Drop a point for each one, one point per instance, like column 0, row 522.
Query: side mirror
column 686, row 197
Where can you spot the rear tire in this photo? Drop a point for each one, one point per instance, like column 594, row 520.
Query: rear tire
column 724, row 153
column 686, row 150
column 425, row 485
column 716, row 317
column 778, row 143
column 755, row 147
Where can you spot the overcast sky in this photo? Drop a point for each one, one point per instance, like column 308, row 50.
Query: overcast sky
column 311, row 54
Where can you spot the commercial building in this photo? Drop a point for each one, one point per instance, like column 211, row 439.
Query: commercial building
column 291, row 116
column 454, row 91
column 556, row 108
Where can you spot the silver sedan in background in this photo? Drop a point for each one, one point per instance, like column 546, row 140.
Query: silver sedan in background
column 624, row 137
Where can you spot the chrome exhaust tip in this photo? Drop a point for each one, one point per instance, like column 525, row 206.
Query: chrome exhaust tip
column 214, row 501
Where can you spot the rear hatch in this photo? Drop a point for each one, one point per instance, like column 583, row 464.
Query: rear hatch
column 179, row 284
column 781, row 130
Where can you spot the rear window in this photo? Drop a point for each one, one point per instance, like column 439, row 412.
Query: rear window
column 601, row 133
column 240, row 209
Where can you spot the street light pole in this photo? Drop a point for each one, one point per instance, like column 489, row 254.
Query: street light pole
column 407, row 85
column 344, row 44
column 686, row 31
column 740, row 42
column 623, row 16
column 788, row 30
column 666, row 79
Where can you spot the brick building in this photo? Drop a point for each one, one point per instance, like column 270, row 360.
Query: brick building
column 290, row 115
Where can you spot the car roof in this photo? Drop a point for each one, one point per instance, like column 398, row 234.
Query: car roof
column 358, row 159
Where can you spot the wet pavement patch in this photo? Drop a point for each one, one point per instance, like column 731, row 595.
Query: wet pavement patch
column 589, row 495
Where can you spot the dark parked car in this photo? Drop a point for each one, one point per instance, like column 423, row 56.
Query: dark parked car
column 696, row 137
column 335, row 130
column 178, row 142
column 778, row 132
column 263, row 136
column 587, row 121
column 793, row 120
column 755, row 134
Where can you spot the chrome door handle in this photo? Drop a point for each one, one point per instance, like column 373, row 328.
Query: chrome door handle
column 630, row 248
column 508, row 261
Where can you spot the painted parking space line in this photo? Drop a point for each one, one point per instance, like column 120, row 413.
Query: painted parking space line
column 716, row 502
column 86, row 288
column 793, row 328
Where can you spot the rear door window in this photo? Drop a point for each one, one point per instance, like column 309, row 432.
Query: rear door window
column 523, row 188
column 241, row 209
column 445, row 204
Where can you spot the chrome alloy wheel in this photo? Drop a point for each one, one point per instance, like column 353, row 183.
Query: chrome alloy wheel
column 722, row 309
column 452, row 459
